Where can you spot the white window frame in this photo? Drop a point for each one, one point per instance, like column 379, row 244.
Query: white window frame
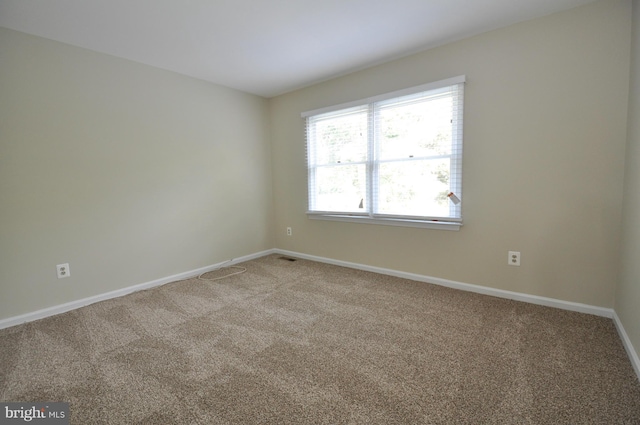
column 448, row 223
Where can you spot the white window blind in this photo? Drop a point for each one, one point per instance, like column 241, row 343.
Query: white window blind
column 396, row 156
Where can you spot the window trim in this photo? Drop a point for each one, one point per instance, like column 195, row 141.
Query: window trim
column 386, row 96
column 399, row 222
column 404, row 221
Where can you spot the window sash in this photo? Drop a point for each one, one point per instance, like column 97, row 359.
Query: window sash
column 369, row 189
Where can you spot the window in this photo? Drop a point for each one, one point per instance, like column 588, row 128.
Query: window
column 392, row 159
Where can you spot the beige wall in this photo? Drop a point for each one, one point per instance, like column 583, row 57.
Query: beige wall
column 131, row 173
column 628, row 291
column 545, row 131
column 127, row 172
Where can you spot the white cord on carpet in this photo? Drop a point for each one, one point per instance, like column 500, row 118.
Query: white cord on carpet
column 242, row 270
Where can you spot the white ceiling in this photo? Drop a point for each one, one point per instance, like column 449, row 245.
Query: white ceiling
column 266, row 47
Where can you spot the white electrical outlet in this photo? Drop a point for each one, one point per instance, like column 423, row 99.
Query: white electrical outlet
column 63, row 270
column 289, row 231
column 514, row 258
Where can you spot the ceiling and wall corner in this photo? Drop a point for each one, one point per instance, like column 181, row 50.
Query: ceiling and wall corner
column 266, row 47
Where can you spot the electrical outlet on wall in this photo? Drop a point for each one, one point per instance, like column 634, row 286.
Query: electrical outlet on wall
column 63, row 270
column 289, row 231
column 514, row 258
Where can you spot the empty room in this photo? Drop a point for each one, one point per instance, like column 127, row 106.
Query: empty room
column 334, row 212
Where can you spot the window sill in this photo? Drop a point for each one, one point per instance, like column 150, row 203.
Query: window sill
column 439, row 225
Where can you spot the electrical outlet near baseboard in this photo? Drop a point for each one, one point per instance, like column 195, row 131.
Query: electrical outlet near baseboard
column 514, row 258
column 63, row 270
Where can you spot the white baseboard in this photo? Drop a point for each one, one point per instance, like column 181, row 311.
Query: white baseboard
column 533, row 299
column 62, row 308
column 631, row 352
column 517, row 296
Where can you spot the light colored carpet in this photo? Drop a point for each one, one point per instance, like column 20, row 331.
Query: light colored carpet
column 309, row 343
